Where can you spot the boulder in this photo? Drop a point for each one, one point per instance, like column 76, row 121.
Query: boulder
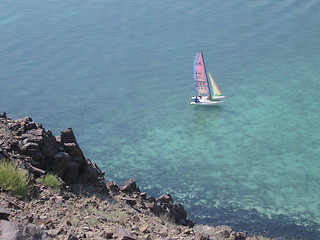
column 113, row 188
column 49, row 146
column 179, row 214
column 8, row 230
column 4, row 213
column 165, row 199
column 143, row 195
column 3, row 115
column 67, row 136
column 32, row 150
column 31, row 231
column 35, row 131
column 129, row 201
column 14, row 231
column 4, row 154
column 38, row 144
column 130, row 186
column 238, row 236
column 31, row 125
column 164, row 205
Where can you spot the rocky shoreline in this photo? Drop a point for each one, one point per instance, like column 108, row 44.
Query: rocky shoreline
column 87, row 207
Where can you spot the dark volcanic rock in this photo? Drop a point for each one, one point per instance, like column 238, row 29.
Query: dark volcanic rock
column 113, row 188
column 130, row 186
column 42, row 152
column 202, row 236
column 179, row 214
column 165, row 199
column 31, row 231
column 3, row 115
column 164, row 206
column 31, row 149
column 59, row 163
column 72, row 149
column 4, row 154
column 67, row 136
column 4, row 213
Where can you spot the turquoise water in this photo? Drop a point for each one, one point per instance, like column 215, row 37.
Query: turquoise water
column 120, row 74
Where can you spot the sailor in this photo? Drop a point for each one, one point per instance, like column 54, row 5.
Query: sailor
column 196, row 99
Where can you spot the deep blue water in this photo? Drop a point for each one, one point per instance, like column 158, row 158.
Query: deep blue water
column 121, row 75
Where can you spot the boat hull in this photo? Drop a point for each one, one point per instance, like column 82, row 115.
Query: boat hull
column 207, row 103
column 217, row 97
column 213, row 97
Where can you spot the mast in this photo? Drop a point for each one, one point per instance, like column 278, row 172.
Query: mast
column 205, row 69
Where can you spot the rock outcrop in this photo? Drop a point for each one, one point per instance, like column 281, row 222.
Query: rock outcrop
column 163, row 206
column 39, row 151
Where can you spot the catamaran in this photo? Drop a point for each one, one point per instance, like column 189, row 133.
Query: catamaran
column 208, row 92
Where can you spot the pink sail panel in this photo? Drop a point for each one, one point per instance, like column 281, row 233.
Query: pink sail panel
column 200, row 77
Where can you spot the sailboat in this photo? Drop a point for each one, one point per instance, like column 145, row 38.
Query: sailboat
column 208, row 92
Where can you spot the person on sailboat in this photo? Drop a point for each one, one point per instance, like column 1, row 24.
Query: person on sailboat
column 197, row 99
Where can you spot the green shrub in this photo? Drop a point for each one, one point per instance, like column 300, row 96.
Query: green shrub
column 14, row 180
column 52, row 181
column 93, row 222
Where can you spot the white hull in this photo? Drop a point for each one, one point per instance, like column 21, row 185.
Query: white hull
column 213, row 97
column 207, row 103
column 217, row 97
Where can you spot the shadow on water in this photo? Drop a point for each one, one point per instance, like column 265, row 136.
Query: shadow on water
column 203, row 118
column 215, row 109
column 208, row 111
column 253, row 222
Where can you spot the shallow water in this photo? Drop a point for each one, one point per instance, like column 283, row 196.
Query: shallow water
column 121, row 75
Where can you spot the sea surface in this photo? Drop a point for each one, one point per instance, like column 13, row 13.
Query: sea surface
column 120, row 73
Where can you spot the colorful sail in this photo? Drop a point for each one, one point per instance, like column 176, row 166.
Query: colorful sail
column 216, row 90
column 200, row 76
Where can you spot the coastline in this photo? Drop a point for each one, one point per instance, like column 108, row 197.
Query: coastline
column 46, row 213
